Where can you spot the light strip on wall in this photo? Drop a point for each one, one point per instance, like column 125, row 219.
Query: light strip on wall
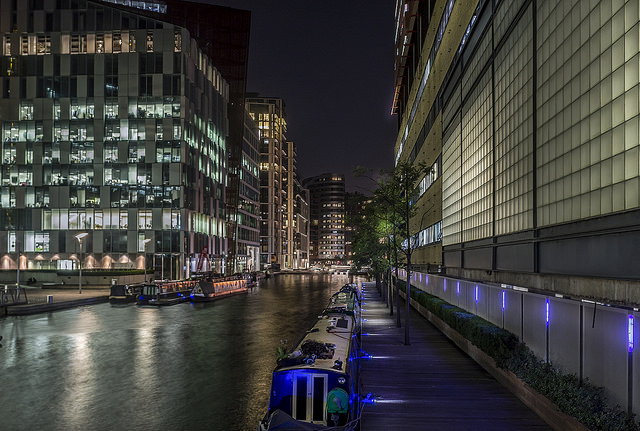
column 547, row 310
column 630, row 333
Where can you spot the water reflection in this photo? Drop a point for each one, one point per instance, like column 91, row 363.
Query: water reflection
column 186, row 367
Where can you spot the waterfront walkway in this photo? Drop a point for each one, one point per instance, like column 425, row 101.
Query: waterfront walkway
column 60, row 298
column 429, row 384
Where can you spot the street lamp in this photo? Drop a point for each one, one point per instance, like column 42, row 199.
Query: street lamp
column 145, row 242
column 79, row 238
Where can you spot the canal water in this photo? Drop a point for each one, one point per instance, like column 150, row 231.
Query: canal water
column 185, row 367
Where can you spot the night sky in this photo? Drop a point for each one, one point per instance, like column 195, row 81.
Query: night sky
column 332, row 63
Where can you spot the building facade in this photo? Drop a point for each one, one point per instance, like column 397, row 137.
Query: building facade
column 296, row 213
column 301, row 225
column 327, row 219
column 115, row 124
column 247, row 236
column 283, row 202
column 223, row 35
column 269, row 115
column 527, row 114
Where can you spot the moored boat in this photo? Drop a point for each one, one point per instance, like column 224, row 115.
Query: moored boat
column 166, row 293
column 124, row 293
column 212, row 289
column 316, row 386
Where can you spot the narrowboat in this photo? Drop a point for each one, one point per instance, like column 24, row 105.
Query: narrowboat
column 316, row 386
column 165, row 293
column 124, row 293
column 210, row 290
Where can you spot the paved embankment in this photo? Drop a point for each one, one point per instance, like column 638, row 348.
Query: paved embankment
column 44, row 300
column 429, row 384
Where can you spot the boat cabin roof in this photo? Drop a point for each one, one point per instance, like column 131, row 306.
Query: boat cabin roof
column 325, row 347
column 342, row 302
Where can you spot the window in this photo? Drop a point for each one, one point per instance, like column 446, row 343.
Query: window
column 100, row 44
column 117, row 42
column 11, row 243
column 78, row 44
column 149, row 42
column 42, row 197
column 43, row 45
column 26, row 111
column 142, row 242
column 124, row 220
column 132, row 42
column 111, row 110
column 41, row 242
column 177, row 41
column 99, row 219
column 51, row 153
column 7, row 45
column 81, row 152
column 81, row 110
column 110, row 153
column 145, row 219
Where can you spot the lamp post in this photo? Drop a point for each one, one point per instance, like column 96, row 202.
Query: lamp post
column 145, row 242
column 79, row 238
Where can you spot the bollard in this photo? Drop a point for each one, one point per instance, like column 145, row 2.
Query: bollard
column 49, row 299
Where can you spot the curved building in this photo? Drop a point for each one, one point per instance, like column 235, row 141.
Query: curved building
column 115, row 123
column 327, row 219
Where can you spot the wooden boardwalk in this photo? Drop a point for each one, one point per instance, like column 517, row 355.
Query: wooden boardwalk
column 429, row 384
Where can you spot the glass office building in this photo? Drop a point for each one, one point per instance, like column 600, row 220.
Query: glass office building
column 527, row 112
column 115, row 124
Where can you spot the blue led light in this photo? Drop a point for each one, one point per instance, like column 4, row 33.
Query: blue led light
column 630, row 334
column 369, row 399
column 547, row 307
column 503, row 300
column 476, row 293
column 445, row 284
column 458, row 288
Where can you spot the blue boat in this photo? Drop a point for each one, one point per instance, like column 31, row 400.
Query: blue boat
column 315, row 387
column 166, row 293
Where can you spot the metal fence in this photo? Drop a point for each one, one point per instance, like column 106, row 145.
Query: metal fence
column 592, row 340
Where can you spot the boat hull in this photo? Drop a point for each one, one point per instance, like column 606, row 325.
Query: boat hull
column 214, row 297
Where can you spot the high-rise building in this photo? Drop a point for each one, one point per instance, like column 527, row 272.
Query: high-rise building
column 282, row 200
column 223, row 35
column 327, row 219
column 526, row 113
column 296, row 213
column 301, row 224
column 247, row 235
column 116, row 122
column 269, row 115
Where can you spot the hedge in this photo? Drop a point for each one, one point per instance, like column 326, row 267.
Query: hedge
column 584, row 401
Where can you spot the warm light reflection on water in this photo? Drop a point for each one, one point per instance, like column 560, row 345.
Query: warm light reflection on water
column 185, row 367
